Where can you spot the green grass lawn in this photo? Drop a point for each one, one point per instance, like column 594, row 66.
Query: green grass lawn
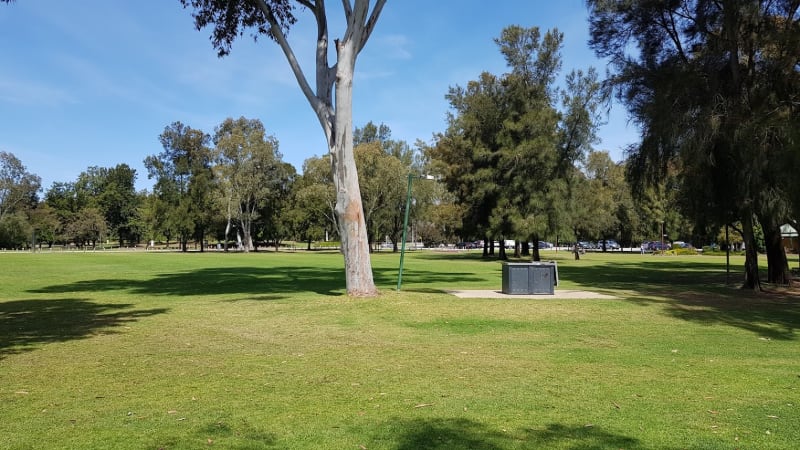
column 182, row 351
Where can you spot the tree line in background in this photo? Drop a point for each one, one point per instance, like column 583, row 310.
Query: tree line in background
column 232, row 187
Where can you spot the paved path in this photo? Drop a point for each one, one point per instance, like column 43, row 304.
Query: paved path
column 559, row 294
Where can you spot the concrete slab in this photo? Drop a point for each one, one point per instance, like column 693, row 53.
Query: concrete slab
column 558, row 294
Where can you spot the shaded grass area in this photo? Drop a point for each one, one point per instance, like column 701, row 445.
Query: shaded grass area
column 265, row 351
column 26, row 324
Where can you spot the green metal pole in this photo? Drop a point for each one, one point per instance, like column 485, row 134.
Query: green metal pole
column 405, row 227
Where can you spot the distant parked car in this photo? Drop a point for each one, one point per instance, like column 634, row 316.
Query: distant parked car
column 543, row 244
column 586, row 245
column 657, row 246
column 610, row 244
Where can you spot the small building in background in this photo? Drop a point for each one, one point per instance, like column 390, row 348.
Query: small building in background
column 790, row 238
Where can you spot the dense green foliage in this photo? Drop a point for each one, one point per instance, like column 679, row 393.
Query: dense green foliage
column 714, row 86
column 18, row 189
column 252, row 180
column 509, row 154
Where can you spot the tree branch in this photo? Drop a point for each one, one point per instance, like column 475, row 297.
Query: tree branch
column 325, row 74
column 316, row 104
column 348, row 9
column 736, row 229
column 373, row 19
column 308, row 5
column 355, row 22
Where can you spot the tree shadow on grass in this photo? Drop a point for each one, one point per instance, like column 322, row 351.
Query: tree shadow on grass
column 456, row 434
column 239, row 435
column 26, row 324
column 257, row 283
column 476, row 256
column 696, row 292
column 261, row 283
column 387, row 278
column 638, row 275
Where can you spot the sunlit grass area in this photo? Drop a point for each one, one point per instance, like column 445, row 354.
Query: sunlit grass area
column 169, row 350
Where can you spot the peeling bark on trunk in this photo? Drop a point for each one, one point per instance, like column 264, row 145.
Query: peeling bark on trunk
column 349, row 209
column 336, row 119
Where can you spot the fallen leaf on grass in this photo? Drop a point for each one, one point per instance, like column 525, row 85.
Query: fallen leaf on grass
column 172, row 411
column 22, row 392
column 588, row 425
column 423, row 405
column 711, row 411
column 616, row 405
column 773, row 417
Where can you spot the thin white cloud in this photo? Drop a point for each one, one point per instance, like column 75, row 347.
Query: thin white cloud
column 395, row 46
column 365, row 75
column 94, row 80
column 32, row 93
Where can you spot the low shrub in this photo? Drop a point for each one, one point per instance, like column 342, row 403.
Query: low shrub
column 683, row 251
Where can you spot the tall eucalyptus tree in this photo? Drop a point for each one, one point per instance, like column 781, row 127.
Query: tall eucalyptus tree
column 331, row 97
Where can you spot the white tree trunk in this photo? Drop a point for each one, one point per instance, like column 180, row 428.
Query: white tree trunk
column 227, row 231
column 349, row 209
column 336, row 119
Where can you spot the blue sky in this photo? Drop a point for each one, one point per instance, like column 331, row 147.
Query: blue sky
column 94, row 82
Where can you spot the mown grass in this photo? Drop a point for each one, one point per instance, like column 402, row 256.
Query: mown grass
column 168, row 350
